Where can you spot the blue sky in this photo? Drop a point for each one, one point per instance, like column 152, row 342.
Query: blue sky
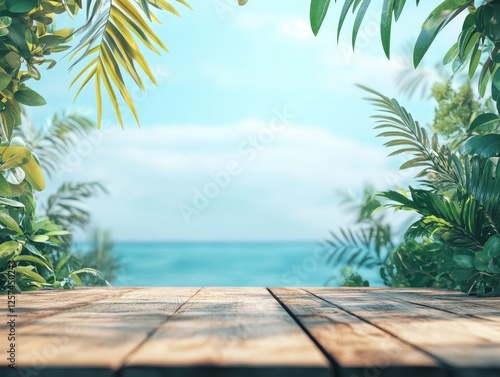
column 253, row 128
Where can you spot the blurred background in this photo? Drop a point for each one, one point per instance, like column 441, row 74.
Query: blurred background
column 247, row 148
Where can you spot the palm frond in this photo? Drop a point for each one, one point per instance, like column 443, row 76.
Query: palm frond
column 364, row 247
column 460, row 223
column 101, row 257
column 416, row 82
column 90, row 271
column 483, row 183
column 64, row 206
column 441, row 168
column 55, row 142
column 110, row 46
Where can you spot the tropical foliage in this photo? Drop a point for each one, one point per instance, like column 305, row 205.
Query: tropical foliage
column 372, row 244
column 460, row 202
column 108, row 49
column 35, row 240
column 458, row 231
column 99, row 257
column 477, row 46
column 369, row 243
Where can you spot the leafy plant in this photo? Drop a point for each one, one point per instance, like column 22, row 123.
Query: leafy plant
column 372, row 243
column 455, row 111
column 351, row 278
column 369, row 243
column 27, row 242
column 477, row 44
column 64, row 206
column 454, row 242
column 100, row 257
column 109, row 48
column 460, row 206
column 30, row 240
column 56, row 141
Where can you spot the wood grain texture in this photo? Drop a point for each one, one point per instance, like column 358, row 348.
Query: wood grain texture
column 93, row 340
column 483, row 307
column 38, row 304
column 468, row 347
column 357, row 347
column 229, row 332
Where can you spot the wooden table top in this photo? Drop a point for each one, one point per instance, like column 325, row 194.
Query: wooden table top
column 153, row 332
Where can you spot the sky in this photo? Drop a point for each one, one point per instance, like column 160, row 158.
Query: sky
column 253, row 129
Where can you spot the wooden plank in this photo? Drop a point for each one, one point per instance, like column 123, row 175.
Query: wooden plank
column 229, row 332
column 93, row 340
column 483, row 307
column 357, row 347
column 35, row 305
column 470, row 347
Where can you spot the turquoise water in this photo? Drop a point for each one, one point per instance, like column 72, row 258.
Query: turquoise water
column 225, row 264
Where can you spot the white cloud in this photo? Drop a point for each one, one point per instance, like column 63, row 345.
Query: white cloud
column 287, row 181
column 295, row 28
column 291, row 27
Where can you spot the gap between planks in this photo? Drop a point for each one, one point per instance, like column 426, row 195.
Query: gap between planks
column 356, row 346
column 468, row 346
column 229, row 332
column 93, row 340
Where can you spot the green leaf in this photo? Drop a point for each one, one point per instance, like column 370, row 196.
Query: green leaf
column 32, row 170
column 492, row 246
column 481, row 260
column 32, row 259
column 20, row 158
column 29, row 97
column 5, row 80
column 343, row 14
column 8, row 250
column 5, row 189
column 10, row 223
column 464, row 261
column 484, row 77
column 451, row 54
column 317, row 14
column 398, row 8
column 436, row 21
column 58, row 233
column 28, row 271
column 24, row 6
column 359, row 19
column 40, row 238
column 5, row 22
column 485, row 146
column 482, row 121
column 385, row 25
column 10, row 202
column 495, row 82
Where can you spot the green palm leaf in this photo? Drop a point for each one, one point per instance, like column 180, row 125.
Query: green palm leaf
column 65, row 207
column 483, row 183
column 58, row 140
column 110, row 45
column 442, row 169
column 459, row 223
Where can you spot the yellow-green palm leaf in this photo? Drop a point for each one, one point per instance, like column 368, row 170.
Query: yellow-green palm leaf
column 110, row 46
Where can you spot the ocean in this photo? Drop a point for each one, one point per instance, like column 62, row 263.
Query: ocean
column 265, row 264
